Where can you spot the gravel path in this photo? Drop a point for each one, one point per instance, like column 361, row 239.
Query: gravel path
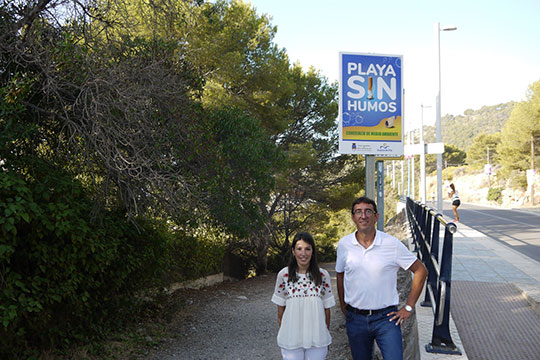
column 235, row 320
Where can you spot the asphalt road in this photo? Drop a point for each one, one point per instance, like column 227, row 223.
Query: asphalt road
column 516, row 228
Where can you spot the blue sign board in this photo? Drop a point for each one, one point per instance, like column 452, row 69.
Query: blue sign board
column 371, row 104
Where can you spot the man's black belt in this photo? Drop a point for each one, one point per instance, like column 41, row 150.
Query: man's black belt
column 368, row 312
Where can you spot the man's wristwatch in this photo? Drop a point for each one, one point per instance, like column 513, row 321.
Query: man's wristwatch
column 408, row 308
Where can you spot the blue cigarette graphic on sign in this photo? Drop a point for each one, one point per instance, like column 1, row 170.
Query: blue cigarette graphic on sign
column 370, row 104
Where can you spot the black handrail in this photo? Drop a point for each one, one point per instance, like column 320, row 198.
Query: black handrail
column 425, row 228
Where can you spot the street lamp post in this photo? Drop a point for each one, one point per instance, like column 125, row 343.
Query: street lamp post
column 412, row 187
column 423, row 157
column 438, row 133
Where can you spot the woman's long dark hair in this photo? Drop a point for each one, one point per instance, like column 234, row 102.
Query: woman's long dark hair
column 313, row 272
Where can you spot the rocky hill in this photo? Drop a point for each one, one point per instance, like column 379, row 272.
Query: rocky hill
column 473, row 188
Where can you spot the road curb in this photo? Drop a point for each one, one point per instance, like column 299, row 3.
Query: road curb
column 532, row 294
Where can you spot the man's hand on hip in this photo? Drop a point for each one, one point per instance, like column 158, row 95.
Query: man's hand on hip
column 399, row 316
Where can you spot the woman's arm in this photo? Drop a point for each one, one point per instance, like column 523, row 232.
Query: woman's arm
column 280, row 311
column 341, row 291
column 327, row 316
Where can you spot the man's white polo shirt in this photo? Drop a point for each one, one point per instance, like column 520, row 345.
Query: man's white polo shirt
column 370, row 278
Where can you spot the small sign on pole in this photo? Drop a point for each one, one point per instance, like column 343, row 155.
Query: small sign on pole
column 530, row 176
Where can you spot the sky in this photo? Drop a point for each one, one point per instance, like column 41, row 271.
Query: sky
column 492, row 57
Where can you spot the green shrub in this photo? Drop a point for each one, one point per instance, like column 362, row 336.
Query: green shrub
column 448, row 173
column 495, row 194
column 65, row 277
column 192, row 258
column 391, row 199
column 327, row 252
column 517, row 180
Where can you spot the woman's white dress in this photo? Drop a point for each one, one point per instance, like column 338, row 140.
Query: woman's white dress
column 303, row 324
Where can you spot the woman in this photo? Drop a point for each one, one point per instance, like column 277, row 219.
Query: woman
column 453, row 194
column 303, row 294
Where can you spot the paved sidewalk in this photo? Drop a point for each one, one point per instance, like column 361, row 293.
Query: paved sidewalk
column 495, row 302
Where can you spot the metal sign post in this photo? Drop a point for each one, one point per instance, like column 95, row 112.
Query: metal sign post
column 370, row 176
column 371, row 112
column 380, row 194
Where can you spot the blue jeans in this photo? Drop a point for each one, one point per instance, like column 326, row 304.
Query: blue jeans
column 363, row 329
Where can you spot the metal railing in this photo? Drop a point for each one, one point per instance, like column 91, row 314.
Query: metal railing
column 425, row 225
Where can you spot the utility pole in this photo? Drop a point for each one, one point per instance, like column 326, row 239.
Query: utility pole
column 393, row 174
column 532, row 169
column 409, row 193
column 438, row 132
column 402, row 190
column 422, row 156
column 489, row 169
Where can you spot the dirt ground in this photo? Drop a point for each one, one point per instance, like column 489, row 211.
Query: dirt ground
column 237, row 320
column 233, row 320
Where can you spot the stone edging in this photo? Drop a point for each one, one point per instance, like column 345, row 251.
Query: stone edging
column 198, row 283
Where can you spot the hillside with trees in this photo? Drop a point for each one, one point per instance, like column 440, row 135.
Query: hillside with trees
column 520, row 137
column 507, row 136
column 458, row 130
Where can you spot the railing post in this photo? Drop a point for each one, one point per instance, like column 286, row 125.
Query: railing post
column 441, row 341
column 433, row 254
column 438, row 285
column 418, row 222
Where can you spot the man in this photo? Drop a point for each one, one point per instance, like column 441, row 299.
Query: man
column 367, row 264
